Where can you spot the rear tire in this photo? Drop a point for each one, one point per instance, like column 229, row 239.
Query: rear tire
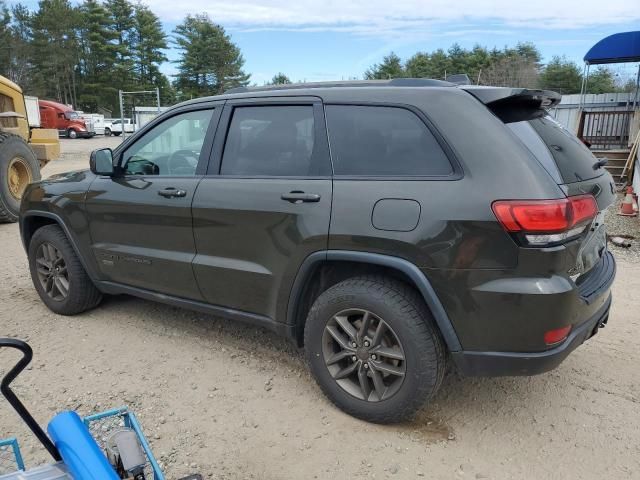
column 107, row 132
column 58, row 274
column 409, row 362
column 18, row 167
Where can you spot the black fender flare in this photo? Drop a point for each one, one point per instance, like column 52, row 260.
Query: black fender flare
column 409, row 269
column 58, row 220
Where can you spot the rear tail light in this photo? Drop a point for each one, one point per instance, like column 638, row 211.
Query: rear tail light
column 558, row 335
column 544, row 222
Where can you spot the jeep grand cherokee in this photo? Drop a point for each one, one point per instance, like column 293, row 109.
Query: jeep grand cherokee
column 387, row 227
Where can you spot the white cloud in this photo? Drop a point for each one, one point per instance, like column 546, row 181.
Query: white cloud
column 399, row 18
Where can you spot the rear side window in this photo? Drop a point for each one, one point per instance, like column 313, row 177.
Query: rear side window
column 270, row 141
column 383, row 141
column 572, row 158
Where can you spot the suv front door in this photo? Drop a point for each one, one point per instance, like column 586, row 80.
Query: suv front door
column 265, row 203
column 140, row 221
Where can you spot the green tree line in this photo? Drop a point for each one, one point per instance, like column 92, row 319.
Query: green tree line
column 511, row 66
column 82, row 55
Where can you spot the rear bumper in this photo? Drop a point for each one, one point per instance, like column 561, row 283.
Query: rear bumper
column 494, row 364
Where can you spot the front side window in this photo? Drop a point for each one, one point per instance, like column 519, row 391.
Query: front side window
column 270, row 141
column 171, row 148
column 383, row 141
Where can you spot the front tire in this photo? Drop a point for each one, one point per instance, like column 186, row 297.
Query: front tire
column 107, row 132
column 373, row 348
column 58, row 275
column 71, row 133
column 18, row 168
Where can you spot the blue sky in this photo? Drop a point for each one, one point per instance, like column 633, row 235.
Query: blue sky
column 332, row 39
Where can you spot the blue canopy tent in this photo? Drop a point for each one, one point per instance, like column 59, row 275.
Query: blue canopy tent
column 617, row 48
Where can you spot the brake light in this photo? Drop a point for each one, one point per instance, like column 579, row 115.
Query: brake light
column 558, row 335
column 541, row 222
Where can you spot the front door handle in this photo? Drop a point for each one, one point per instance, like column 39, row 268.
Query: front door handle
column 300, row 197
column 171, row 192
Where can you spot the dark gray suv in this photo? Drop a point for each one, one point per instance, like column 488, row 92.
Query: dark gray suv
column 387, row 227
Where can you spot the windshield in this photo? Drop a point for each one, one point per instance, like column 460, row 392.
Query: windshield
column 559, row 151
column 71, row 115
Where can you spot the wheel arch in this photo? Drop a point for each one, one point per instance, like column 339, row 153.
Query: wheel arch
column 302, row 294
column 30, row 222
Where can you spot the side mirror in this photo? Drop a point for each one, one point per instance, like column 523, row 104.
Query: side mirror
column 101, row 162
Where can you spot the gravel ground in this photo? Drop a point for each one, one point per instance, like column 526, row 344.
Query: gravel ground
column 236, row 402
column 627, row 227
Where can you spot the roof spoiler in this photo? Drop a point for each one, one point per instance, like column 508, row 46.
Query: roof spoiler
column 489, row 95
column 515, row 104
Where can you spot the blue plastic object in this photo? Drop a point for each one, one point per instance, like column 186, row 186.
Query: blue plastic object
column 617, row 48
column 78, row 449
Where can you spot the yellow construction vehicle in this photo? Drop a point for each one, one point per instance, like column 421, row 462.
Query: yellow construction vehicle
column 23, row 149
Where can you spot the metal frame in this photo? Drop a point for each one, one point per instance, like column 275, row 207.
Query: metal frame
column 131, row 422
column 13, row 443
column 14, row 401
column 121, row 95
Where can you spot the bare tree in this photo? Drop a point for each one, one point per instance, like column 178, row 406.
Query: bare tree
column 511, row 72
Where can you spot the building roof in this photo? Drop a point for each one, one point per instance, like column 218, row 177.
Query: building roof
column 617, row 48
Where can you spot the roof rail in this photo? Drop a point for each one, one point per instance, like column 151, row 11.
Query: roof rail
column 394, row 82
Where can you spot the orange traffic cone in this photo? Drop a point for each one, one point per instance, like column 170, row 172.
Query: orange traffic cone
column 626, row 208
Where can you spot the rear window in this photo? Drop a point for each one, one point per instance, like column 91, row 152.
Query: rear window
column 270, row 141
column 559, row 151
column 383, row 141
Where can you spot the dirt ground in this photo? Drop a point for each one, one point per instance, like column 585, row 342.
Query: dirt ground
column 236, row 402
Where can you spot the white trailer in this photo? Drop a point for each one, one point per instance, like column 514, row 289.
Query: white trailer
column 95, row 119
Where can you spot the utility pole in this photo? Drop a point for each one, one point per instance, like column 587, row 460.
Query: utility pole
column 120, row 96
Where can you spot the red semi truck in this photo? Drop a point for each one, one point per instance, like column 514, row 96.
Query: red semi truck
column 64, row 119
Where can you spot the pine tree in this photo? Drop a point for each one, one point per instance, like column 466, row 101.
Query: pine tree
column 122, row 24
column 19, row 67
column 5, row 39
column 279, row 79
column 55, row 50
column 602, row 80
column 148, row 41
column 391, row 67
column 561, row 75
column 210, row 62
column 98, row 57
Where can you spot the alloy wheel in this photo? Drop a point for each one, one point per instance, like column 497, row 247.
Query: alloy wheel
column 363, row 355
column 52, row 272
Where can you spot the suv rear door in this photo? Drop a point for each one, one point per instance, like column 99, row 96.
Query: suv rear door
column 265, row 203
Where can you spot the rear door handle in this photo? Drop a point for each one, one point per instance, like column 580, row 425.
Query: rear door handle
column 171, row 192
column 300, row 197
